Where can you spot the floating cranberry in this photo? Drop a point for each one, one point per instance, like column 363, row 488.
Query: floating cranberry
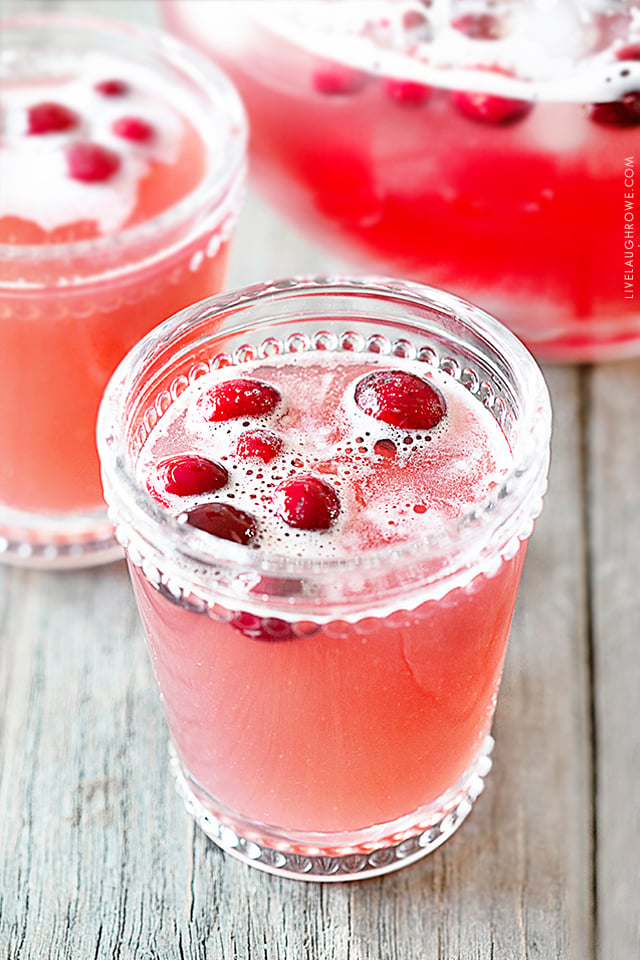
column 238, row 398
column 407, row 91
column 258, row 445
column 479, row 26
column 629, row 52
column 490, row 108
column 224, row 521
column 417, row 23
column 111, row 88
column 50, row 118
column 186, row 476
column 91, row 162
column 307, row 503
column 400, row 399
column 133, row 128
column 618, row 113
column 271, row 629
column 336, row 79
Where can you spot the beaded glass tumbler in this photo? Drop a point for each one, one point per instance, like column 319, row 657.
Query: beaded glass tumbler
column 71, row 309
column 356, row 740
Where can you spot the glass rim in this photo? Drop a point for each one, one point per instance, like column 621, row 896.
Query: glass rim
column 582, row 80
column 210, row 79
column 525, row 479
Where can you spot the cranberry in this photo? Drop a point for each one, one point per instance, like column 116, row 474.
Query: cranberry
column 619, row 113
column 400, row 399
column 407, row 91
column 111, row 88
column 224, row 521
column 490, row 108
column 91, row 162
column 338, row 79
column 479, row 26
column 258, row 445
column 630, row 52
column 186, row 476
column 133, row 128
column 417, row 23
column 262, row 628
column 238, row 398
column 307, row 503
column 50, row 118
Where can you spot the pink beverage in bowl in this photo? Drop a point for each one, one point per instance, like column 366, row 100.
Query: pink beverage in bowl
column 490, row 148
column 121, row 163
column 324, row 489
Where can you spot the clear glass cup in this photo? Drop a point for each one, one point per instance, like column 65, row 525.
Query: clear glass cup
column 329, row 718
column 70, row 310
column 489, row 148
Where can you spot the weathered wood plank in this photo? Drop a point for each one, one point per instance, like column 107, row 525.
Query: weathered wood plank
column 614, row 505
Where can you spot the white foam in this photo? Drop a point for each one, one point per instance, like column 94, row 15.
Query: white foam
column 34, row 182
column 548, row 45
column 463, row 457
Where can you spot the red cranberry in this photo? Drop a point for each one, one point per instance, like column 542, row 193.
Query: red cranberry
column 338, row 78
column 619, row 113
column 479, row 26
column 186, row 476
column 258, row 445
column 407, row 91
column 238, row 398
column 307, row 503
column 133, row 128
column 91, row 162
column 630, row 52
column 224, row 521
column 262, row 628
column 400, row 399
column 111, row 88
column 50, row 118
column 417, row 23
column 490, row 108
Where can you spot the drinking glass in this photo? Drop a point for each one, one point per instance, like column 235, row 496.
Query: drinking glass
column 329, row 716
column 489, row 148
column 71, row 309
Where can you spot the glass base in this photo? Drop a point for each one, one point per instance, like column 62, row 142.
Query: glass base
column 395, row 845
column 57, row 541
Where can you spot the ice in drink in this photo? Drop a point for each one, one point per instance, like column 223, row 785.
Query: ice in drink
column 314, row 507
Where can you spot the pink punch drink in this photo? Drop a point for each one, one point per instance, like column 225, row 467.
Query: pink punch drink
column 324, row 489
column 489, row 147
column 121, row 165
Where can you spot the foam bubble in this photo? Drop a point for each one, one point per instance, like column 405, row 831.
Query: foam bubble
column 425, row 478
column 552, row 46
column 34, row 183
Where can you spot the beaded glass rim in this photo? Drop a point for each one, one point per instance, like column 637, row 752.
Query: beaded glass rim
column 207, row 78
column 138, row 517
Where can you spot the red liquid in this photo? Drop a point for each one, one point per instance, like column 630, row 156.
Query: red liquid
column 338, row 726
column 333, row 732
column 526, row 219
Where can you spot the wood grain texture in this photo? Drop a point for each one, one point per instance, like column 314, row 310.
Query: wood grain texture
column 613, row 445
column 99, row 860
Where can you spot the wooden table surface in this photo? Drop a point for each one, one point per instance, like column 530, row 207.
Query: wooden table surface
column 98, row 859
